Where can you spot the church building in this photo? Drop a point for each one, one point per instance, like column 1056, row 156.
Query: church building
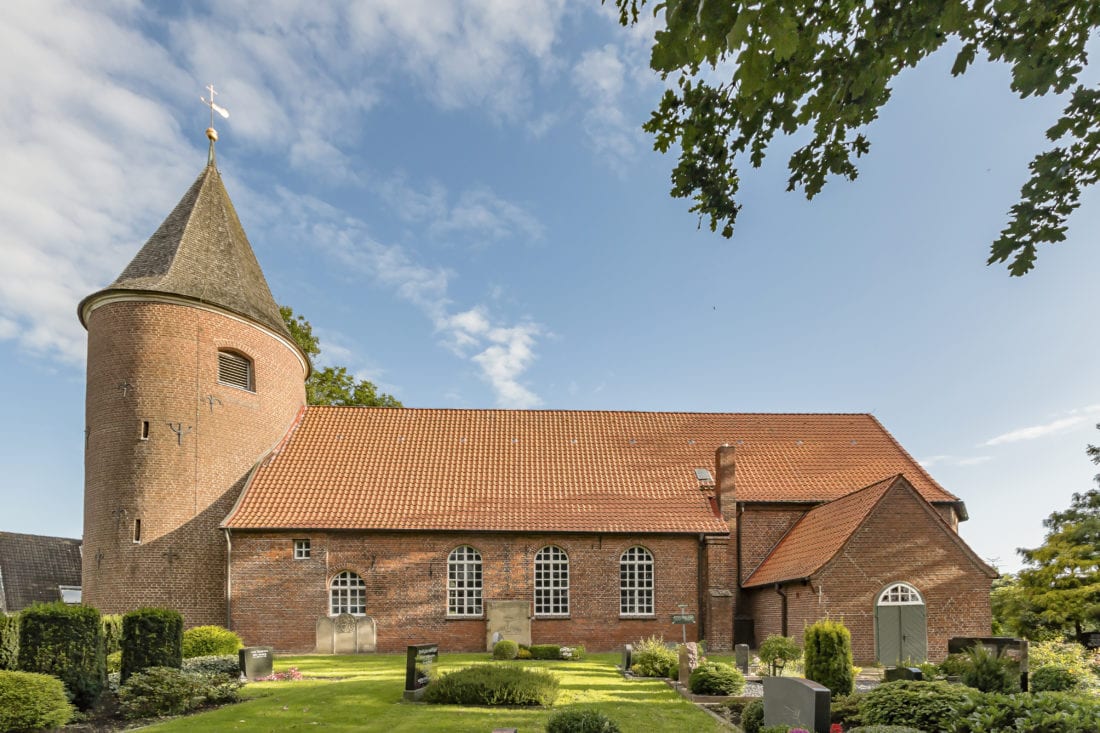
column 212, row 488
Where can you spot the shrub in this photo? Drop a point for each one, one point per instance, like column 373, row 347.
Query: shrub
column 29, row 701
column 523, row 653
column 573, row 652
column 716, row 678
column 885, row 729
column 205, row 641
column 491, row 684
column 827, row 645
column 159, row 691
column 580, row 720
column 778, row 648
column 505, row 649
column 847, row 710
column 651, row 658
column 9, row 641
column 752, row 717
column 1038, row 713
column 114, row 662
column 1074, row 657
column 112, row 633
column 227, row 664
column 776, row 729
column 925, row 705
column 987, row 673
column 151, row 637
column 1053, row 678
column 545, row 651
column 67, row 642
column 954, row 665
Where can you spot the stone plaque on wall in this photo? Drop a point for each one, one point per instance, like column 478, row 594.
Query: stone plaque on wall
column 346, row 634
column 507, row 620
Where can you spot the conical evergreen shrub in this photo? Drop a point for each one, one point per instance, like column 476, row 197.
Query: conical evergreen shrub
column 827, row 646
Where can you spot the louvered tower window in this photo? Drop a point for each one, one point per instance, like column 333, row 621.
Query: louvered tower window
column 235, row 370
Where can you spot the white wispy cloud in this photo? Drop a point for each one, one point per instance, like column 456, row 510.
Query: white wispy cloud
column 949, row 460
column 1071, row 420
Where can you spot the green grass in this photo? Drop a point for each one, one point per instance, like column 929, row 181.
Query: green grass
column 364, row 693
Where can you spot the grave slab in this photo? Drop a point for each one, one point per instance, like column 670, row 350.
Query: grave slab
column 794, row 701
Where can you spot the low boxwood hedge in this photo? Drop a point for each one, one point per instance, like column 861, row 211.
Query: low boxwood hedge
column 581, row 720
column 716, row 678
column 493, row 684
column 206, row 641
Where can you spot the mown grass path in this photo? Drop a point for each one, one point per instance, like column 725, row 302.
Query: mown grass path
column 364, row 693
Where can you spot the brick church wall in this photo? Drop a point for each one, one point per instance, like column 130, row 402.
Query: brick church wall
column 762, row 527
column 277, row 600
column 158, row 362
column 899, row 542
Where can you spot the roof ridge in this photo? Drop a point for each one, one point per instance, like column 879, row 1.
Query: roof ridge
column 912, row 460
column 590, row 411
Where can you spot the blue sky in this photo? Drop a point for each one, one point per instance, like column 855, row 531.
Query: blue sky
column 460, row 199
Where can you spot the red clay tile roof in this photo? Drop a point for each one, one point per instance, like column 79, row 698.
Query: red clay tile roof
column 818, row 536
column 548, row 470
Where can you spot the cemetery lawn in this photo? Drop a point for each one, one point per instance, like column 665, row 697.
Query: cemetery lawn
column 364, row 693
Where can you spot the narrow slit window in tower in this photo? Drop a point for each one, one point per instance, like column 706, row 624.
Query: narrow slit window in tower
column 137, row 531
column 145, row 430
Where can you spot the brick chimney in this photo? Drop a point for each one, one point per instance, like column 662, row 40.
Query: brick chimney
column 723, row 484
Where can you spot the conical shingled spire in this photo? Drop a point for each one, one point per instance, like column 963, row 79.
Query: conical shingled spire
column 201, row 252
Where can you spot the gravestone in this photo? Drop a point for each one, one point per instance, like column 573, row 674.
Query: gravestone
column 256, row 662
column 628, row 652
column 1091, row 640
column 794, row 701
column 689, row 660
column 893, row 674
column 346, row 634
column 741, row 654
column 507, row 620
column 419, row 659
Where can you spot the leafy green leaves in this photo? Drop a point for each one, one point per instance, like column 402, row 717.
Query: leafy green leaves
column 827, row 68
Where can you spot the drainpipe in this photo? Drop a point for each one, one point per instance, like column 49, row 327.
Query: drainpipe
column 701, row 573
column 228, row 580
column 782, row 608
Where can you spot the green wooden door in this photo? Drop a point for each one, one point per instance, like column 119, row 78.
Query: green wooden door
column 901, row 634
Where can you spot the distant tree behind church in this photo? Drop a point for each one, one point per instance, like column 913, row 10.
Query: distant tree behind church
column 332, row 385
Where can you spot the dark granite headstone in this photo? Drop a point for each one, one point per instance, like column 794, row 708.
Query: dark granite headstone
column 628, row 652
column 741, row 653
column 256, row 662
column 1091, row 639
column 418, row 666
column 794, row 701
column 893, row 674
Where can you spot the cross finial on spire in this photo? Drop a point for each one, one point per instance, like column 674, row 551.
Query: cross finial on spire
column 210, row 131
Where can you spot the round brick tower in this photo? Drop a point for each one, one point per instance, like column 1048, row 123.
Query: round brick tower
column 192, row 379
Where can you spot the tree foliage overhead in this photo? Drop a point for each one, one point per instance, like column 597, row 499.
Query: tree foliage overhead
column 332, row 385
column 826, row 68
column 1062, row 581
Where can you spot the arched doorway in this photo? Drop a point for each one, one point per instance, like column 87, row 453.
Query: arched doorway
column 901, row 626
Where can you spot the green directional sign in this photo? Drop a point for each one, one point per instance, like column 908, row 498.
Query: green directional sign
column 683, row 618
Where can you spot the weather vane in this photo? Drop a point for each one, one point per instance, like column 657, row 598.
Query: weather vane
column 210, row 131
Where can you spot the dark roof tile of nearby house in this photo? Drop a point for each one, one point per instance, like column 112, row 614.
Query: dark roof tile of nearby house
column 33, row 567
column 201, row 252
column 550, row 470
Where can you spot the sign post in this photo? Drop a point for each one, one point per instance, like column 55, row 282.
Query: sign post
column 683, row 619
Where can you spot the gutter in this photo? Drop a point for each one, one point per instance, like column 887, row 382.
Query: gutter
column 228, row 580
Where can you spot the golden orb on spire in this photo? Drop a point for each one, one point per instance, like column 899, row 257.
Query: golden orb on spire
column 212, row 134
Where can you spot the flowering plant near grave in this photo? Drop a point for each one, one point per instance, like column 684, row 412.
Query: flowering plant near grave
column 291, row 674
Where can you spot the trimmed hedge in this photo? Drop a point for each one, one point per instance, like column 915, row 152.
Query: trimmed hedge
column 151, row 637
column 929, row 706
column 505, row 649
column 206, row 641
column 30, row 701
column 228, row 665
column 67, row 642
column 581, row 720
column 827, row 646
column 9, row 641
column 716, row 678
column 545, row 651
column 493, row 684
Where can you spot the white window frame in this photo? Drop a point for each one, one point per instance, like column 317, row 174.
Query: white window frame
column 551, row 582
column 347, row 593
column 465, row 583
column 236, row 366
column 301, row 549
column 636, row 582
column 900, row 594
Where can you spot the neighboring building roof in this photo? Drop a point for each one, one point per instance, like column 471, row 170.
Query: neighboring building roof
column 201, row 252
column 34, row 567
column 562, row 471
column 821, row 533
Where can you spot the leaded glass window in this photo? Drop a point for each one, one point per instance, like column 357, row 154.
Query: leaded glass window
column 551, row 582
column 464, row 582
column 636, row 582
column 347, row 594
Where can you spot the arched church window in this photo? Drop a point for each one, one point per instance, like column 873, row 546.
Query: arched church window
column 900, row 594
column 347, row 594
column 464, row 582
column 636, row 582
column 235, row 370
column 551, row 582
